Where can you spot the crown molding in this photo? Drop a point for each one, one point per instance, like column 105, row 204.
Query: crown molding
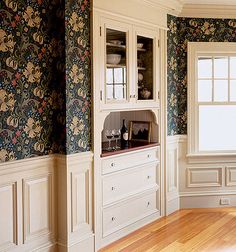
column 173, row 7
column 208, row 11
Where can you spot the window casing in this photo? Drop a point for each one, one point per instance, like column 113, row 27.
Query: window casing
column 211, row 98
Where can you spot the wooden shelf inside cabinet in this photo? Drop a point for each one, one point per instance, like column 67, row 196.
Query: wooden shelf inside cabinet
column 116, row 46
column 141, row 50
column 133, row 146
column 115, row 66
column 141, row 68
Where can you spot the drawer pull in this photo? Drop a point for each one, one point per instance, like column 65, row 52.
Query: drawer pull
column 148, row 156
column 113, row 188
column 113, row 164
column 148, row 177
column 113, row 218
column 148, row 204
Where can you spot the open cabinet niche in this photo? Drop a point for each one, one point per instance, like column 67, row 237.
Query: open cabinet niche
column 115, row 121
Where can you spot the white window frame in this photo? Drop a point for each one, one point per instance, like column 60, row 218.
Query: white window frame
column 196, row 49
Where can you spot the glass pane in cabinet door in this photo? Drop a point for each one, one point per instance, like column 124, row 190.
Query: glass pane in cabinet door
column 145, row 68
column 116, row 65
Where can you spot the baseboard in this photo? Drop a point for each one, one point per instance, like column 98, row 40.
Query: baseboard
column 86, row 245
column 206, row 201
column 172, row 205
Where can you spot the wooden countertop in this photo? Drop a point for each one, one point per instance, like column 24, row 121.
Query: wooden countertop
column 133, row 146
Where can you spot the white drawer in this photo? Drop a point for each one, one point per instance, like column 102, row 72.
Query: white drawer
column 129, row 182
column 123, row 161
column 126, row 213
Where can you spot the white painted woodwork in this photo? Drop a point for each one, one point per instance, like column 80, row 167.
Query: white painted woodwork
column 204, row 177
column 8, row 217
column 39, row 213
column 172, row 176
column 126, row 213
column 141, row 12
column 27, row 205
column 117, row 186
column 75, row 202
column 147, row 18
column 204, row 180
column 132, row 159
column 37, row 206
column 231, row 175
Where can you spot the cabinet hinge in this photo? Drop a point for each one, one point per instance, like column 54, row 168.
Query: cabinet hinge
column 158, row 95
column 100, row 31
column 101, row 95
column 158, row 42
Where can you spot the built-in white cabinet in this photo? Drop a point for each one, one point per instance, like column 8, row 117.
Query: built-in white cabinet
column 128, row 64
column 128, row 74
column 130, row 191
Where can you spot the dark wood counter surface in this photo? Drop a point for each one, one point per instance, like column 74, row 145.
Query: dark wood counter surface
column 133, row 146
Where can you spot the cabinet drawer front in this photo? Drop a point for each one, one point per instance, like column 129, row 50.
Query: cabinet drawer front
column 129, row 182
column 124, row 161
column 126, row 213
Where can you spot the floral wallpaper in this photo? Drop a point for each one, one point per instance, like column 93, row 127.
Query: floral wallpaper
column 78, row 71
column 182, row 30
column 32, row 74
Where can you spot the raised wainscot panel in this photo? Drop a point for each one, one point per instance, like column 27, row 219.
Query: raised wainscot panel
column 172, row 168
column 8, row 218
column 204, row 177
column 80, row 213
column 230, row 175
column 37, row 206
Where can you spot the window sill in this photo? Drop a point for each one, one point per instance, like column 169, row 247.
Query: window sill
column 211, row 157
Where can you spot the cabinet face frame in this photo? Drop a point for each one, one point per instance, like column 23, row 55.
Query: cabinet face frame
column 154, row 35
column 107, row 23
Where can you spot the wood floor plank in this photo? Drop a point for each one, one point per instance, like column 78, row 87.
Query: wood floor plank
column 192, row 230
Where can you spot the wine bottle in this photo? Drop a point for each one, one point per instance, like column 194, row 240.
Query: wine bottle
column 124, row 136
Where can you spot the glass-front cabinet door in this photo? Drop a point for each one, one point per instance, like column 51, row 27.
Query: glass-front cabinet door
column 116, row 65
column 146, row 66
column 117, row 53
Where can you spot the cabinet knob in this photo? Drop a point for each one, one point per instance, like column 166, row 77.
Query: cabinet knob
column 132, row 96
column 148, row 204
column 148, row 156
column 112, row 164
column 148, row 177
column 113, row 188
column 113, row 218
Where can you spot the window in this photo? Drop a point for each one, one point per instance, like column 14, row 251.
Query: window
column 211, row 97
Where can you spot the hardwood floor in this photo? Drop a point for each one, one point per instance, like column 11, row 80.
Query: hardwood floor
column 205, row 230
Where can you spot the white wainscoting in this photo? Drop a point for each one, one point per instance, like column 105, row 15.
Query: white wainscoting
column 46, row 204
column 172, row 178
column 204, row 181
column 27, row 205
column 75, row 230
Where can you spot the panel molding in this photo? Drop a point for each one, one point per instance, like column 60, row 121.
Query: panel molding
column 204, row 177
column 10, row 188
column 46, row 184
column 230, row 177
column 172, row 175
column 80, row 190
column 74, row 216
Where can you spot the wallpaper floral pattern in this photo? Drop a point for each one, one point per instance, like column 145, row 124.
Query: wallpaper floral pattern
column 31, row 78
column 78, row 71
column 182, row 30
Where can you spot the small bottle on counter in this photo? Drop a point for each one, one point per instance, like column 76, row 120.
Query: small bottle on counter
column 124, row 138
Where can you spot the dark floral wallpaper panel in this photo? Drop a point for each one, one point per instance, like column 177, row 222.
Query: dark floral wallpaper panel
column 78, row 71
column 31, row 78
column 181, row 31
